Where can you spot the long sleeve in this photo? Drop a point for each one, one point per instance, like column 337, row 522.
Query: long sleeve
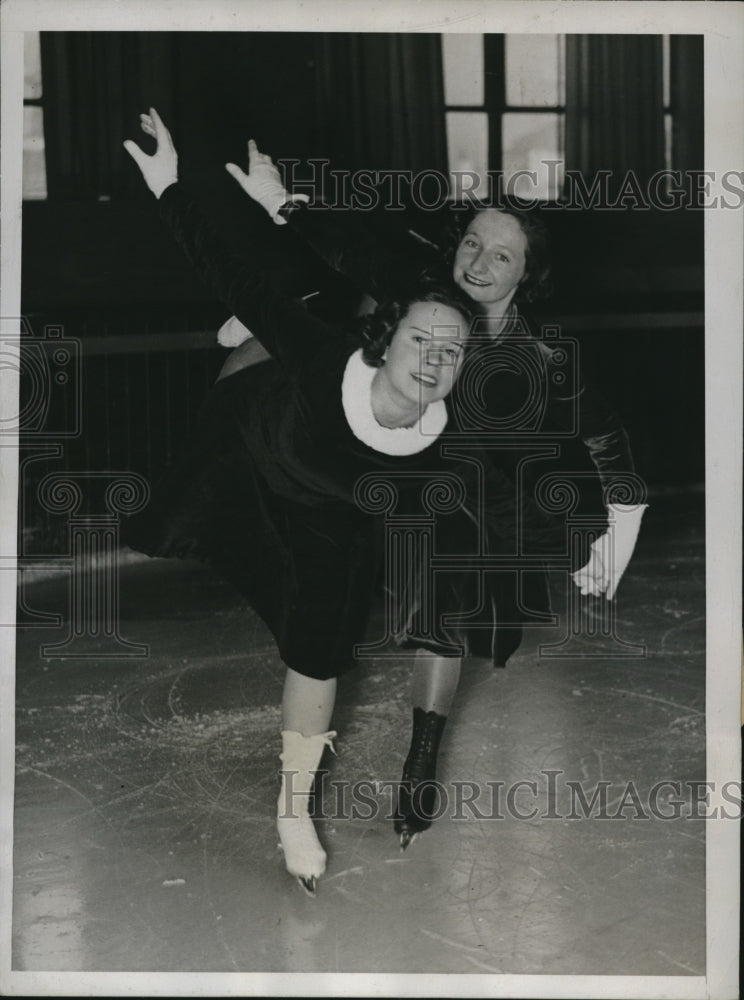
column 574, row 405
column 279, row 322
column 379, row 269
column 599, row 428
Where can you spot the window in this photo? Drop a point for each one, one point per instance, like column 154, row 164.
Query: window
column 533, row 115
column 504, row 98
column 34, row 162
column 466, row 117
column 505, row 110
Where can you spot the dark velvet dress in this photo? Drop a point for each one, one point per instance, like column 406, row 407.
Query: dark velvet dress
column 523, row 406
column 280, row 495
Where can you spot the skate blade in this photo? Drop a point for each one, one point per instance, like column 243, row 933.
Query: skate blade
column 407, row 837
column 307, row 884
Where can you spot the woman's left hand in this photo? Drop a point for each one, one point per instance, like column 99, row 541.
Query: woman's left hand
column 263, row 182
column 611, row 552
column 161, row 169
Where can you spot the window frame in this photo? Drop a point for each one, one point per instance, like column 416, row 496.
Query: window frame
column 36, row 102
column 495, row 106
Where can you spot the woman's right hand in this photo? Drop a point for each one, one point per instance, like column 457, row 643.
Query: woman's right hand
column 161, row 169
column 263, row 182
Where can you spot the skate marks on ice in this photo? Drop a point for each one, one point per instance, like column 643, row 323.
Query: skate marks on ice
column 557, row 894
column 121, row 807
column 163, row 848
column 145, row 834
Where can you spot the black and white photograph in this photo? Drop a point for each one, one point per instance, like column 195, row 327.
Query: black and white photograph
column 371, row 495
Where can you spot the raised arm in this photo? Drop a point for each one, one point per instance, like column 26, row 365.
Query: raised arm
column 339, row 237
column 278, row 321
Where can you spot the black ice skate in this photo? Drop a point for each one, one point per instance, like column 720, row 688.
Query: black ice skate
column 418, row 794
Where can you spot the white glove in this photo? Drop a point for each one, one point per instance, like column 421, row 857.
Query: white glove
column 263, row 183
column 611, row 552
column 233, row 333
column 161, row 169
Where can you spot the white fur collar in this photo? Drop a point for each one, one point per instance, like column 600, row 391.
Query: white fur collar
column 356, row 396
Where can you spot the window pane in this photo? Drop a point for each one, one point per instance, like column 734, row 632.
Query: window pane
column 533, row 142
column 34, row 165
column 467, row 149
column 665, row 66
column 462, row 59
column 534, row 70
column 31, row 66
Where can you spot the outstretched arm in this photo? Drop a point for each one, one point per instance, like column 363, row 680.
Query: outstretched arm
column 338, row 236
column 281, row 323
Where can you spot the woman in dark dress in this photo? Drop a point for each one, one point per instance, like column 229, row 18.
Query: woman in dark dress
column 269, row 490
column 500, row 261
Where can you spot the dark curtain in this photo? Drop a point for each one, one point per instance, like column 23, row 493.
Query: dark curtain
column 381, row 101
column 614, row 106
column 95, row 84
column 369, row 101
column 686, row 86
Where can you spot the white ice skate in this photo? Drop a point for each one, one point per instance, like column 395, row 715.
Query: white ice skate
column 303, row 854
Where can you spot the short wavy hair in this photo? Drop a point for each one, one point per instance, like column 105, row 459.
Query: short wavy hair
column 536, row 282
column 378, row 328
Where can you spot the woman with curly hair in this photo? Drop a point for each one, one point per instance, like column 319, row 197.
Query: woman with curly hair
column 514, row 389
column 268, row 490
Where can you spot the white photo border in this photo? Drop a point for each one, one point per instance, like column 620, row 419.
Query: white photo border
column 722, row 24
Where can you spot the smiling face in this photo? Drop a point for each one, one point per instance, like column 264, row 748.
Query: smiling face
column 491, row 258
column 424, row 355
